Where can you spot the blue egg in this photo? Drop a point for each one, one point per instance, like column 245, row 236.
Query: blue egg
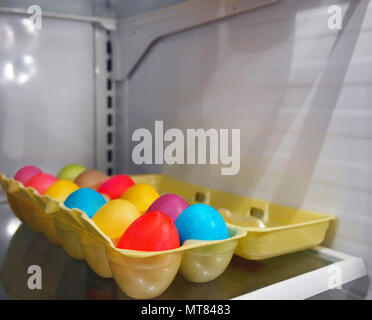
column 201, row 222
column 85, row 199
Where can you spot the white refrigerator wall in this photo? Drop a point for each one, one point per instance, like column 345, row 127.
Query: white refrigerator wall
column 299, row 92
column 46, row 94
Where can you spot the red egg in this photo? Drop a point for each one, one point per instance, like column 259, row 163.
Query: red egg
column 153, row 231
column 41, row 182
column 116, row 186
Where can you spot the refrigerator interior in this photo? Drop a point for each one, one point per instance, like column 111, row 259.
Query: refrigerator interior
column 77, row 89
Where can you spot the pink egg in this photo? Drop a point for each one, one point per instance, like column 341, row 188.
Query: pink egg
column 26, row 173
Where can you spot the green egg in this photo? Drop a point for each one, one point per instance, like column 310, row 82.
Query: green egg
column 71, row 171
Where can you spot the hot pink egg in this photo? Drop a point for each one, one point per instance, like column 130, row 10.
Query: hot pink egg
column 41, row 182
column 26, row 173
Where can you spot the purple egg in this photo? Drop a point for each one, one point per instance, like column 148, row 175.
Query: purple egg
column 25, row 174
column 170, row 204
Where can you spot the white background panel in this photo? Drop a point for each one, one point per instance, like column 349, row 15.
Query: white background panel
column 46, row 90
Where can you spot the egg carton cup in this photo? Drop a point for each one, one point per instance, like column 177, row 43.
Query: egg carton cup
column 140, row 274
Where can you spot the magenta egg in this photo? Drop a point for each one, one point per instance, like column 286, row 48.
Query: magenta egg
column 25, row 174
column 171, row 204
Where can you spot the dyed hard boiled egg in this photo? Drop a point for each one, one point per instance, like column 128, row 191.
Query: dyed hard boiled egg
column 142, row 195
column 91, row 178
column 171, row 204
column 61, row 189
column 71, row 171
column 115, row 186
column 153, row 231
column 41, row 182
column 115, row 217
column 201, row 222
column 85, row 199
column 26, row 173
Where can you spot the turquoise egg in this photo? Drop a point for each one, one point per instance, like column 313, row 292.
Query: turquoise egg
column 201, row 222
column 85, row 199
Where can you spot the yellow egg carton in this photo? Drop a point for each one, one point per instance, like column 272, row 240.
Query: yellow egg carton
column 272, row 229
column 140, row 274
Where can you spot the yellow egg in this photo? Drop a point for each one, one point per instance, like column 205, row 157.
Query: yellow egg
column 142, row 195
column 115, row 217
column 61, row 189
